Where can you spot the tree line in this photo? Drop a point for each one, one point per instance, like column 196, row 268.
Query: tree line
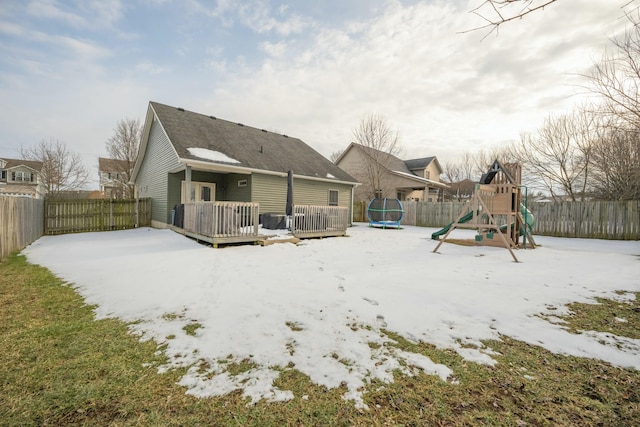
column 63, row 170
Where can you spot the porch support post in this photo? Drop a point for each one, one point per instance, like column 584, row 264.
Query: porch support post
column 187, row 182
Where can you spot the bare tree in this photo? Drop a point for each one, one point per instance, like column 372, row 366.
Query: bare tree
column 61, row 169
column 498, row 12
column 460, row 175
column 484, row 158
column 335, row 156
column 381, row 144
column 558, row 156
column 616, row 165
column 123, row 147
column 616, row 77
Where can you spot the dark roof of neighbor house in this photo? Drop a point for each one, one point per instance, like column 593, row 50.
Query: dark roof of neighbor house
column 33, row 164
column 250, row 147
column 419, row 163
column 111, row 165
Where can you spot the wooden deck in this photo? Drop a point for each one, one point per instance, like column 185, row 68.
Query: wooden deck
column 222, row 222
column 319, row 221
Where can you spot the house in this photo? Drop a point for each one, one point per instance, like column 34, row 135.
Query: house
column 114, row 178
column 21, row 178
column 218, row 160
column 385, row 175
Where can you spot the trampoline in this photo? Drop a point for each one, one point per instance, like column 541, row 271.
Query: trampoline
column 385, row 213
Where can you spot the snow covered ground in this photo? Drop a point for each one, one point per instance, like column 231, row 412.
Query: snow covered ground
column 318, row 305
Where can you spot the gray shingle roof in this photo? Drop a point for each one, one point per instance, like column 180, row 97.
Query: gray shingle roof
column 33, row 164
column 419, row 163
column 252, row 148
column 112, row 165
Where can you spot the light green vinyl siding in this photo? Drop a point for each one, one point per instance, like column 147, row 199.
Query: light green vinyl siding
column 152, row 179
column 270, row 192
column 235, row 193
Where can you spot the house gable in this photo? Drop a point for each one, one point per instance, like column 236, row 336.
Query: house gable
column 21, row 178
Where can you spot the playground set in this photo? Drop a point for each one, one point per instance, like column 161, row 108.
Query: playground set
column 497, row 210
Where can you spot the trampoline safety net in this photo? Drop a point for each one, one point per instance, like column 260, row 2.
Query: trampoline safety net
column 385, row 211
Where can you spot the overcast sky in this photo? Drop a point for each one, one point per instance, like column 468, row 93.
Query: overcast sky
column 71, row 69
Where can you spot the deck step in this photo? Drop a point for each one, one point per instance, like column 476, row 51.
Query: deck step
column 267, row 242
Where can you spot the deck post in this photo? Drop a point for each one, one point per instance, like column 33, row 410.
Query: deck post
column 187, row 184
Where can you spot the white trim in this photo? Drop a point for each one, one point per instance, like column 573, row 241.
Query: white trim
column 329, row 190
column 419, row 179
column 197, row 187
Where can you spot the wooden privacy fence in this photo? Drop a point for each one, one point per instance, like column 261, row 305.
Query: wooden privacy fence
column 615, row 220
column 222, row 222
column 593, row 219
column 20, row 223
column 76, row 216
column 319, row 221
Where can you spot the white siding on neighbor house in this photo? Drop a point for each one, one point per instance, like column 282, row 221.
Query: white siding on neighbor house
column 152, row 179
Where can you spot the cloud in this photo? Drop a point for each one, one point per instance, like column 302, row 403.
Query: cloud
column 443, row 89
column 50, row 9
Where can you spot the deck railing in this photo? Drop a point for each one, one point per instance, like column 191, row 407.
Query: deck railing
column 319, row 221
column 222, row 222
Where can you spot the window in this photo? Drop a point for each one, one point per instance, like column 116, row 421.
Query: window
column 21, row 176
column 400, row 195
column 200, row 192
column 242, row 183
column 3, row 175
column 377, row 194
column 427, row 174
column 333, row 197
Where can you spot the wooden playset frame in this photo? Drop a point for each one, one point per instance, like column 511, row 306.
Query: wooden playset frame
column 495, row 210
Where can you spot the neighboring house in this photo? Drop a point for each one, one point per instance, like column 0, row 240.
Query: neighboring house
column 114, row 178
column 21, row 178
column 415, row 179
column 225, row 161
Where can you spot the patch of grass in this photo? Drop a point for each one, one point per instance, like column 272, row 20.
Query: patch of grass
column 191, row 328
column 615, row 317
column 294, row 326
column 59, row 366
column 172, row 316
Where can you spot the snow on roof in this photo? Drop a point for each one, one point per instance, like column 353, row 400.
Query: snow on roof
column 275, row 306
column 212, row 155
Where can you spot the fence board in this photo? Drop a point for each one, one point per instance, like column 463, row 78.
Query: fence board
column 20, row 223
column 76, row 216
column 615, row 220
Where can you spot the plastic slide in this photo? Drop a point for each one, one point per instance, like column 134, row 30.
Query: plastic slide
column 468, row 217
column 529, row 220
